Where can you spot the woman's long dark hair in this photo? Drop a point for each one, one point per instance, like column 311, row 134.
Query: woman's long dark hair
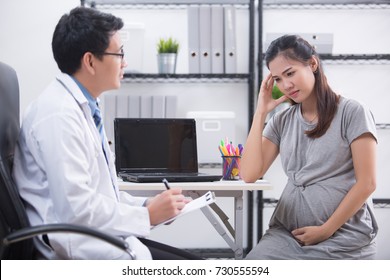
column 295, row 48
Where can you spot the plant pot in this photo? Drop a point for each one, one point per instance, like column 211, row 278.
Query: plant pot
column 166, row 63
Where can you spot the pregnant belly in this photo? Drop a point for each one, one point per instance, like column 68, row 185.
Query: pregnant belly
column 301, row 206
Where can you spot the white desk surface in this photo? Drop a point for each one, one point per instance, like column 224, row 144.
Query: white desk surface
column 237, row 185
column 235, row 189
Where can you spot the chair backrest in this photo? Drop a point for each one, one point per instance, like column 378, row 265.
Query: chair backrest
column 12, row 212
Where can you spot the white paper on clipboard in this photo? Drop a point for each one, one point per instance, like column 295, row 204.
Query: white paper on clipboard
column 193, row 205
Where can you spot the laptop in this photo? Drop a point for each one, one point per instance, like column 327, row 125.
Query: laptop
column 150, row 149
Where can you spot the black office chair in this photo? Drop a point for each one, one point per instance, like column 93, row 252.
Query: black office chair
column 15, row 229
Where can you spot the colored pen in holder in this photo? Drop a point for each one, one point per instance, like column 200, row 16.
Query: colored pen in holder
column 231, row 167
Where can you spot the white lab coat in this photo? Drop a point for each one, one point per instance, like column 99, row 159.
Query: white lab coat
column 62, row 175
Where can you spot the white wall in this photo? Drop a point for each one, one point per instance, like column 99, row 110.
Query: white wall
column 26, row 29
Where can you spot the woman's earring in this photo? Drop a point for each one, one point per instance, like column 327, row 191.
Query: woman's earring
column 315, row 71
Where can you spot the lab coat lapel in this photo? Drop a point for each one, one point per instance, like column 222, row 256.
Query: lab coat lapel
column 79, row 97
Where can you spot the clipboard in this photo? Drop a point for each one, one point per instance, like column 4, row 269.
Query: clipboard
column 191, row 206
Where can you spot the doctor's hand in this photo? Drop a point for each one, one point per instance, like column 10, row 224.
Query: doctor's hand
column 165, row 205
column 310, row 235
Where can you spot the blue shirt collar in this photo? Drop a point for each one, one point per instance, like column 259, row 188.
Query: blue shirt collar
column 92, row 102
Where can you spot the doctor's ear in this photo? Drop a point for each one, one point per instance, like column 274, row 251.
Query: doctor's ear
column 87, row 61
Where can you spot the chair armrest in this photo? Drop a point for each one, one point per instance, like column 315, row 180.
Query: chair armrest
column 30, row 232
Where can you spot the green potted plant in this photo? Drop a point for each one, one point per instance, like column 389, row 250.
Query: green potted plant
column 276, row 94
column 167, row 45
column 167, row 50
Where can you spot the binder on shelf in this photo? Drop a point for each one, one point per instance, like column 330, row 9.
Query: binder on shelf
column 217, row 52
column 205, row 38
column 138, row 106
column 193, row 39
column 230, row 39
column 146, row 106
column 158, row 106
column 134, row 106
column 170, row 106
column 122, row 108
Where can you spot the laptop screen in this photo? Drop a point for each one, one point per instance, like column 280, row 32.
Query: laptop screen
column 155, row 145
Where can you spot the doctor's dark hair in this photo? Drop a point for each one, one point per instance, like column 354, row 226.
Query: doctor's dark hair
column 82, row 30
column 295, row 48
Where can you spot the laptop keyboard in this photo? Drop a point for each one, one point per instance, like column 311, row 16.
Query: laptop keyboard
column 164, row 174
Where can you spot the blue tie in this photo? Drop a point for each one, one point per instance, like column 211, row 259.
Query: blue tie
column 97, row 117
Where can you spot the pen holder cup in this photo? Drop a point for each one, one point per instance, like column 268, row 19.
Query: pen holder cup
column 231, row 167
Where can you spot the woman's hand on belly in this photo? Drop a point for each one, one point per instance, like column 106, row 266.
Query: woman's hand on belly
column 310, row 235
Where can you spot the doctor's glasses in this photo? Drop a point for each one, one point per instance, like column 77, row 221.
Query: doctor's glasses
column 121, row 54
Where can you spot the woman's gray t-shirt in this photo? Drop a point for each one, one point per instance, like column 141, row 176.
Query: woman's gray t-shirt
column 320, row 173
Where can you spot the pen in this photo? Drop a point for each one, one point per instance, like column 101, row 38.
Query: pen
column 165, row 181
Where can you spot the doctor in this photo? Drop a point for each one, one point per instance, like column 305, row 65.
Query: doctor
column 63, row 166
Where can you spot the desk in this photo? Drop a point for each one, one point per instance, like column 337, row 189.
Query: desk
column 235, row 189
